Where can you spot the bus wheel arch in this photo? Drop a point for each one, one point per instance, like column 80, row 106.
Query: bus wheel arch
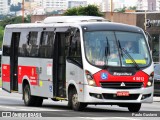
column 73, row 99
column 27, row 97
column 30, row 100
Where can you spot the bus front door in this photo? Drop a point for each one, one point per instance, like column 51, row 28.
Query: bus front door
column 14, row 61
column 59, row 65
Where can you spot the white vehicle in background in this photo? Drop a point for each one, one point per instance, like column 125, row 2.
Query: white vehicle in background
column 79, row 58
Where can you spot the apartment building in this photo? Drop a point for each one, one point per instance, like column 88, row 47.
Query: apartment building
column 4, row 8
column 76, row 3
column 149, row 5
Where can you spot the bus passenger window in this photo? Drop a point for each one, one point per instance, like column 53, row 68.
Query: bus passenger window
column 33, row 47
column 46, row 44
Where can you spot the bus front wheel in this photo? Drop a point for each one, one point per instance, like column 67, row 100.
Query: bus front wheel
column 74, row 103
column 135, row 107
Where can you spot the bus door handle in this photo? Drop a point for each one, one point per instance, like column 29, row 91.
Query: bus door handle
column 72, row 73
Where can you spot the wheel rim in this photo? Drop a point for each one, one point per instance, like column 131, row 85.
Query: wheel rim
column 26, row 94
column 75, row 100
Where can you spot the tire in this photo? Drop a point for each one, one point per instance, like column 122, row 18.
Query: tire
column 73, row 101
column 39, row 101
column 29, row 100
column 70, row 100
column 135, row 107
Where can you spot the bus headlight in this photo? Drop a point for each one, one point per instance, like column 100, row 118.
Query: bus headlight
column 150, row 80
column 90, row 79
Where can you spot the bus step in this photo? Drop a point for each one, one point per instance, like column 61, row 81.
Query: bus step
column 58, row 98
column 14, row 91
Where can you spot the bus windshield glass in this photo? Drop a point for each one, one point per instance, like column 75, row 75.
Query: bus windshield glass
column 116, row 48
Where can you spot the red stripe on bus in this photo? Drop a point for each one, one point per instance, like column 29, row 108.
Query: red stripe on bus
column 29, row 71
column 5, row 73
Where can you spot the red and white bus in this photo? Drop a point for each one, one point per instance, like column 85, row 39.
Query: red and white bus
column 82, row 59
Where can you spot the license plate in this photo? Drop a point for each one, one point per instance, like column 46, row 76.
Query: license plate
column 122, row 93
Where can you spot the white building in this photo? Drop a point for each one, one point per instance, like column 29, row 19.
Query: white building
column 4, row 8
column 76, row 3
column 149, row 5
column 158, row 5
column 105, row 6
column 50, row 5
column 142, row 5
column 38, row 3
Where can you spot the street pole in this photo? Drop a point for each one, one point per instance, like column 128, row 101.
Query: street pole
column 22, row 11
column 111, row 11
column 145, row 20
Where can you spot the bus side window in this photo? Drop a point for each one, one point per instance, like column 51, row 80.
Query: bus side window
column 7, row 43
column 46, row 44
column 75, row 48
column 29, row 44
column 33, row 44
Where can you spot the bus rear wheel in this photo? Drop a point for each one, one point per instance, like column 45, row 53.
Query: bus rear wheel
column 74, row 103
column 135, row 107
column 29, row 100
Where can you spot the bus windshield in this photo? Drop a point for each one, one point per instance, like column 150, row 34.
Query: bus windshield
column 116, row 48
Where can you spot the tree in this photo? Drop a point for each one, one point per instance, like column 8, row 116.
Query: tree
column 132, row 8
column 122, row 10
column 1, row 35
column 90, row 10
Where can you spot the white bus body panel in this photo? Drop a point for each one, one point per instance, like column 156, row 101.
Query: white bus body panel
column 75, row 76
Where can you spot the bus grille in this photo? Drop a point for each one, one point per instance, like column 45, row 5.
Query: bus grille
column 122, row 85
column 114, row 97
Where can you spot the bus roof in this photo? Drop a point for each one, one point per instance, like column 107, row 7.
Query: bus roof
column 73, row 19
column 80, row 21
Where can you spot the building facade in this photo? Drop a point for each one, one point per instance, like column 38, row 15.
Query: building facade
column 4, row 7
column 76, row 3
column 138, row 19
column 50, row 5
column 149, row 5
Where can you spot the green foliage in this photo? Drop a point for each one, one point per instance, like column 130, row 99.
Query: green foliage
column 90, row 10
column 132, row 8
column 1, row 35
column 122, row 10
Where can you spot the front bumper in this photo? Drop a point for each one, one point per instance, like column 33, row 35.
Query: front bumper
column 141, row 95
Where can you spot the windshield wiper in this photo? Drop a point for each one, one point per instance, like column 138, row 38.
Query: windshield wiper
column 107, row 48
column 107, row 53
column 122, row 50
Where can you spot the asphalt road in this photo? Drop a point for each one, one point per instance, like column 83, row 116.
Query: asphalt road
column 13, row 103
